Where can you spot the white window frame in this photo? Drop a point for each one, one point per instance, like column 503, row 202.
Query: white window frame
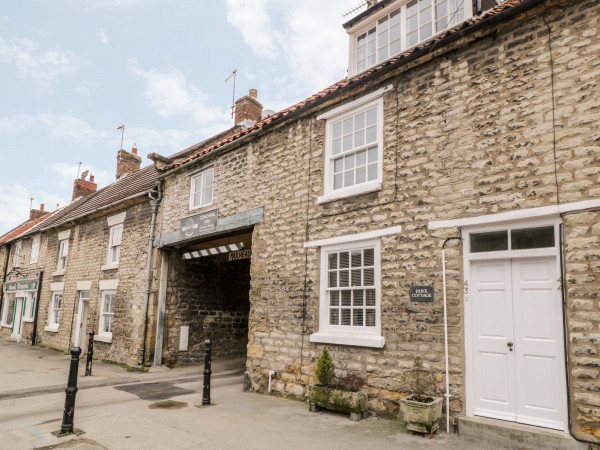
column 17, row 253
column 63, row 252
column 200, row 177
column 111, row 244
column 35, row 249
column 333, row 117
column 342, row 334
column 106, row 336
column 372, row 22
column 5, row 302
column 54, row 312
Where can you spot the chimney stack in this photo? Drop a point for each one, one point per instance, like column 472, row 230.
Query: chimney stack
column 247, row 109
column 128, row 162
column 83, row 188
column 37, row 213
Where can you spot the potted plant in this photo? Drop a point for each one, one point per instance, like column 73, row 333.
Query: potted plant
column 344, row 394
column 421, row 412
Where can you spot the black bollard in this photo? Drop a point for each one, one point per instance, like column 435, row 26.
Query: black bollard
column 90, row 353
column 71, row 391
column 207, row 372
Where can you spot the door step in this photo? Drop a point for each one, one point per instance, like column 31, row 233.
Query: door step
column 516, row 435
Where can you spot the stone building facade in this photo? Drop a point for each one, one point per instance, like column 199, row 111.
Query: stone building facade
column 480, row 145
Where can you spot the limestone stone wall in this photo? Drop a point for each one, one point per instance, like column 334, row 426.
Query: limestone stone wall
column 88, row 249
column 502, row 120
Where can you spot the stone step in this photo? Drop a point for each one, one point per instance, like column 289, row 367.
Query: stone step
column 516, row 435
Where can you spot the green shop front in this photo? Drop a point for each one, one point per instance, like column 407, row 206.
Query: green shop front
column 19, row 301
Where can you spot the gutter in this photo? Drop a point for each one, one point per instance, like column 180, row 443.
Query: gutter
column 139, row 194
column 360, row 82
column 37, row 308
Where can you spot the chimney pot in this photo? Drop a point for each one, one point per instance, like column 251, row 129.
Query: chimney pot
column 134, row 149
column 41, row 207
column 253, row 93
column 92, row 178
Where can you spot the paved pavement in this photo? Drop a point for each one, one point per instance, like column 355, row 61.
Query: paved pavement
column 119, row 409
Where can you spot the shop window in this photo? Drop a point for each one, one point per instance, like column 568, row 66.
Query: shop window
column 29, row 307
column 8, row 306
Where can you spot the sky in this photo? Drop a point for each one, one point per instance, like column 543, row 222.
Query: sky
column 72, row 71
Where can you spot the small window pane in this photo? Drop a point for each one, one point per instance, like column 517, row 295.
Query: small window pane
column 338, row 165
column 372, row 116
column 347, row 145
column 207, row 196
column 334, row 317
column 425, row 15
column 356, row 281
column 344, row 260
column 371, row 134
column 412, row 38
column 332, row 279
column 532, row 238
column 361, row 175
column 359, row 121
column 346, row 298
column 349, row 162
column 208, row 178
column 348, row 126
column 361, row 158
column 358, row 297
column 426, row 31
column 489, row 242
column 348, row 178
column 370, row 316
column 358, row 318
column 383, row 23
column 373, row 154
column 395, row 17
column 333, row 260
column 345, row 317
column 336, row 146
column 372, row 172
column 369, row 257
column 395, row 47
column 359, row 138
column 344, row 278
column 337, row 130
column 334, row 299
column 370, row 297
column 369, row 276
column 337, row 181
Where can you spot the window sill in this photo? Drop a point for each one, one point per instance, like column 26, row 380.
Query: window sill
column 350, row 192
column 355, row 339
column 198, row 207
column 51, row 329
column 5, row 325
column 103, row 338
column 27, row 319
column 58, row 273
column 112, row 266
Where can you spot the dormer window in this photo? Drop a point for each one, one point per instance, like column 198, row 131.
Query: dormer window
column 398, row 27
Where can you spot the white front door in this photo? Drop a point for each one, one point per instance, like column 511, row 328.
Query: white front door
column 517, row 325
column 17, row 330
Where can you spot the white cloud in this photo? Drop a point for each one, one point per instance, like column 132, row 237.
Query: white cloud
column 71, row 128
column 149, row 140
column 102, row 37
column 110, row 4
column 15, row 201
column 67, row 173
column 250, row 17
column 170, row 94
column 15, row 124
column 31, row 62
column 315, row 52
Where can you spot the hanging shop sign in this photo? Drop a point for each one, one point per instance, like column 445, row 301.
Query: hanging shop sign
column 242, row 254
column 13, row 286
column 421, row 293
column 199, row 224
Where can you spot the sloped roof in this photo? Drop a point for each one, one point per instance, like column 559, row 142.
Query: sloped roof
column 27, row 227
column 131, row 185
column 354, row 81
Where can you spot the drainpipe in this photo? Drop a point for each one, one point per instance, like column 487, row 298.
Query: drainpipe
column 4, row 275
column 37, row 308
column 154, row 202
column 563, row 272
column 447, row 395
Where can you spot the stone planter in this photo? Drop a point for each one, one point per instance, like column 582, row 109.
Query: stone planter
column 354, row 403
column 421, row 417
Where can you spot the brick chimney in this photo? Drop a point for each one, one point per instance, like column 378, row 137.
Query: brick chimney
column 37, row 213
column 83, row 188
column 248, row 108
column 128, row 162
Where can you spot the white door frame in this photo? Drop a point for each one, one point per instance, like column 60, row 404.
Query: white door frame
column 503, row 255
column 18, row 311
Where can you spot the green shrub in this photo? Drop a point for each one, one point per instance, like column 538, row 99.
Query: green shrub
column 325, row 368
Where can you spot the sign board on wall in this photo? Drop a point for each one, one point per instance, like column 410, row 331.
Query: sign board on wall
column 13, row 286
column 198, row 225
column 242, row 254
column 421, row 293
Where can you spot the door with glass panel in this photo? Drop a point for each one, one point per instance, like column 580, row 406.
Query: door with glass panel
column 517, row 334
